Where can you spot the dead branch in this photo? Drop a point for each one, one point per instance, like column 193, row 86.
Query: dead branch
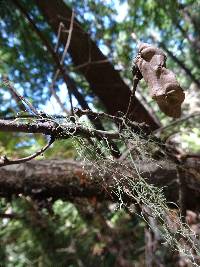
column 14, row 93
column 5, row 161
column 81, row 48
column 59, row 131
column 61, row 62
column 162, row 82
column 19, row 97
column 136, row 78
column 67, row 79
column 177, row 122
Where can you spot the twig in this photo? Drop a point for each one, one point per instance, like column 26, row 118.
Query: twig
column 182, row 191
column 61, row 25
column 67, row 79
column 82, row 112
column 175, row 122
column 137, row 127
column 5, row 161
column 91, row 63
column 69, row 38
column 32, row 116
column 62, row 61
column 52, row 89
column 137, row 77
column 59, row 131
column 20, row 98
column 14, row 93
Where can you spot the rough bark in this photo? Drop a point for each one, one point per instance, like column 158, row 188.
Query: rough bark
column 104, row 80
column 65, row 179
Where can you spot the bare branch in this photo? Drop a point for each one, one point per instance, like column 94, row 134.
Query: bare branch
column 137, row 76
column 19, row 97
column 136, row 127
column 61, row 63
column 5, row 161
column 59, row 131
column 14, row 93
column 176, row 122
column 61, row 26
column 67, row 79
column 69, row 38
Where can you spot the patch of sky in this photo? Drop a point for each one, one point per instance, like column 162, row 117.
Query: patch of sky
column 104, row 48
column 34, row 71
column 122, row 10
column 4, row 34
column 26, row 143
column 88, row 16
column 51, row 107
column 16, row 73
column 6, row 96
column 158, row 35
column 19, row 89
column 2, row 23
column 21, row 57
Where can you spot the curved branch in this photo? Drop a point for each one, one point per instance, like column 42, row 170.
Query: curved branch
column 19, row 97
column 176, row 122
column 5, row 161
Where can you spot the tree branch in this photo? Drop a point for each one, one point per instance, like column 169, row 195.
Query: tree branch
column 67, row 79
column 66, row 179
column 59, row 131
column 5, row 161
column 111, row 90
column 19, row 98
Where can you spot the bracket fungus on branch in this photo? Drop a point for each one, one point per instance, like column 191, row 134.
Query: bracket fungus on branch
column 165, row 89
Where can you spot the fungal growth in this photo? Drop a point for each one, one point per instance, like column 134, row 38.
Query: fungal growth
column 164, row 87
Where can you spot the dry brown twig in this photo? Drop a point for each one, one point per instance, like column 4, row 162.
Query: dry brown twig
column 61, row 63
column 61, row 26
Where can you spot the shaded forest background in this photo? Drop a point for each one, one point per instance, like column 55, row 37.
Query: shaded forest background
column 50, row 213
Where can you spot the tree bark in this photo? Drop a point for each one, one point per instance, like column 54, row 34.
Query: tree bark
column 66, row 179
column 104, row 80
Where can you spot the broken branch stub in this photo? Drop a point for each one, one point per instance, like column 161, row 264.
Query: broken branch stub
column 162, row 82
